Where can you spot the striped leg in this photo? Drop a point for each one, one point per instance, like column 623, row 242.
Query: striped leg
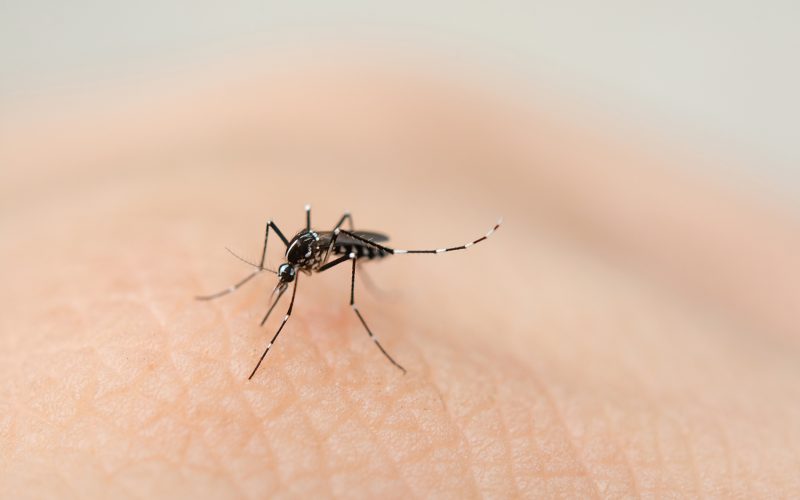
column 283, row 323
column 360, row 317
column 228, row 290
column 259, row 268
column 280, row 288
column 353, row 257
column 396, row 251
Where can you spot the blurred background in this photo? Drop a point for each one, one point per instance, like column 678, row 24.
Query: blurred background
column 718, row 77
column 661, row 136
column 644, row 156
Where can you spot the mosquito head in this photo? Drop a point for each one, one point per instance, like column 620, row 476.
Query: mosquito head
column 287, row 273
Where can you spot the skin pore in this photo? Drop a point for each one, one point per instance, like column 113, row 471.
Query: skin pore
column 629, row 331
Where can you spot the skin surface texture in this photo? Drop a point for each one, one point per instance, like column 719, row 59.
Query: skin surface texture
column 630, row 331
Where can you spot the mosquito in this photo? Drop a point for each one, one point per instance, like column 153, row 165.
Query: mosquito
column 311, row 251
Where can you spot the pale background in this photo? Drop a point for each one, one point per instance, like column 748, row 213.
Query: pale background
column 720, row 78
column 631, row 329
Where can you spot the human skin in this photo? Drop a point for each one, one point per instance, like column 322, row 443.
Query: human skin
column 628, row 332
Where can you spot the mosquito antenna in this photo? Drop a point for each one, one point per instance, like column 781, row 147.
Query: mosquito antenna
column 248, row 262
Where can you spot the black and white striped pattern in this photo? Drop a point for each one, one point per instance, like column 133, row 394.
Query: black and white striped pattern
column 397, row 251
column 362, row 251
column 283, row 323
column 259, row 268
column 314, row 252
column 353, row 257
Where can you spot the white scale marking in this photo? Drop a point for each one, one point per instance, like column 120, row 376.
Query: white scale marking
column 467, row 245
column 400, row 251
column 441, row 250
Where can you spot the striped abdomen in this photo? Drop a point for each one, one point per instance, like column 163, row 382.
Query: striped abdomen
column 361, row 251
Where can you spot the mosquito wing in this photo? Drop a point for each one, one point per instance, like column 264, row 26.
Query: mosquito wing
column 343, row 239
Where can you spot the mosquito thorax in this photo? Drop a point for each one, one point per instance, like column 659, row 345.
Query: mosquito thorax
column 302, row 248
column 287, row 273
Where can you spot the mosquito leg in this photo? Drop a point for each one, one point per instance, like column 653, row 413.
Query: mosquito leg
column 349, row 219
column 360, row 317
column 345, row 258
column 259, row 268
column 280, row 289
column 272, row 225
column 308, row 217
column 275, row 337
column 396, row 251
column 228, row 290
